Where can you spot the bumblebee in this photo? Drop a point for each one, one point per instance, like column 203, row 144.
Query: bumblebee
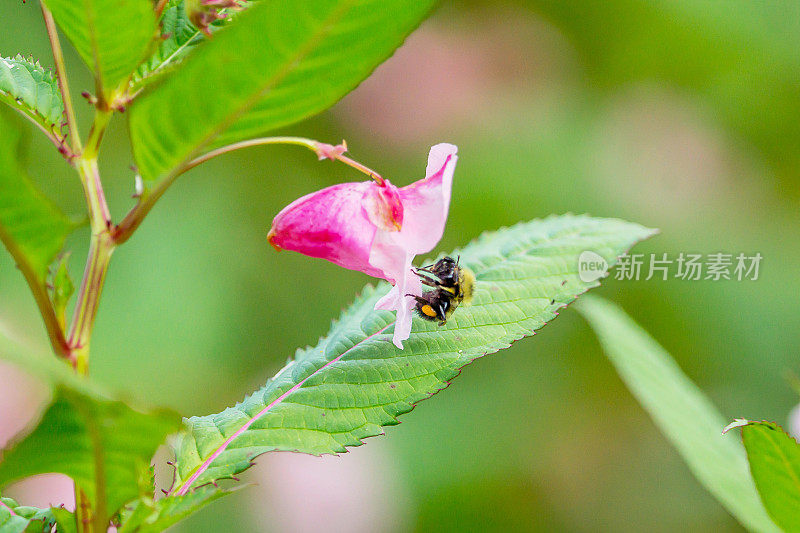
column 452, row 285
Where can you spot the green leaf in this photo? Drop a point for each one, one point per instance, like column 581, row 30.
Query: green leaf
column 31, row 226
column 280, row 62
column 62, row 289
column 682, row 412
column 102, row 445
column 46, row 368
column 355, row 380
column 775, row 464
column 65, row 520
column 153, row 517
column 112, row 36
column 33, row 91
column 179, row 37
column 16, row 518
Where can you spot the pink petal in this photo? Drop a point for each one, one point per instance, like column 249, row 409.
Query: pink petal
column 396, row 299
column 425, row 206
column 426, row 202
column 330, row 224
column 355, row 225
column 384, row 207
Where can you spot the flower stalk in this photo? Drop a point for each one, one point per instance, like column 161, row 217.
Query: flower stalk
column 148, row 197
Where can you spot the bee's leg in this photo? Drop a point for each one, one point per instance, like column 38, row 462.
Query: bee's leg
column 426, row 307
column 419, row 299
column 441, row 307
column 425, row 279
column 429, row 282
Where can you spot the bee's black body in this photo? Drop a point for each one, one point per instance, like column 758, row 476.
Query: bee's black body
column 451, row 284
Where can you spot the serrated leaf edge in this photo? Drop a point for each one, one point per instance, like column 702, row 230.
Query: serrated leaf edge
column 366, row 292
column 52, row 129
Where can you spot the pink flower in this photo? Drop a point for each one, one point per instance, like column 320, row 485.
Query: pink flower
column 375, row 228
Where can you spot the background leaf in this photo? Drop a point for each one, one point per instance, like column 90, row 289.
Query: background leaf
column 32, row 228
column 179, row 37
column 112, row 36
column 685, row 416
column 775, row 464
column 280, row 62
column 152, row 517
column 80, row 434
column 355, row 380
column 33, row 91
column 16, row 518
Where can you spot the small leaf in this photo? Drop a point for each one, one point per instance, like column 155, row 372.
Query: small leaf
column 179, row 37
column 65, row 520
column 683, row 413
column 355, row 380
column 775, row 464
column 92, row 440
column 280, row 62
column 112, row 36
column 15, row 518
column 33, row 91
column 148, row 516
column 32, row 228
column 62, row 289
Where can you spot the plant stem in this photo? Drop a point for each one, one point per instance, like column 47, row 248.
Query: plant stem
column 79, row 356
column 323, row 151
column 58, row 58
column 100, row 250
column 298, row 141
column 101, row 247
column 147, row 200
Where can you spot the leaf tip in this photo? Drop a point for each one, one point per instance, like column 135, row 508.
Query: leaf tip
column 737, row 423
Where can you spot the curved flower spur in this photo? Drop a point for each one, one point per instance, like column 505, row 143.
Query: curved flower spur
column 373, row 227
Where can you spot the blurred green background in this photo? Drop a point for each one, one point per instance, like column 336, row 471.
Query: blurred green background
column 681, row 115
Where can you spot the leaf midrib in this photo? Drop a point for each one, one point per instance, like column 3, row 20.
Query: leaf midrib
column 229, row 442
column 90, row 24
column 211, row 457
